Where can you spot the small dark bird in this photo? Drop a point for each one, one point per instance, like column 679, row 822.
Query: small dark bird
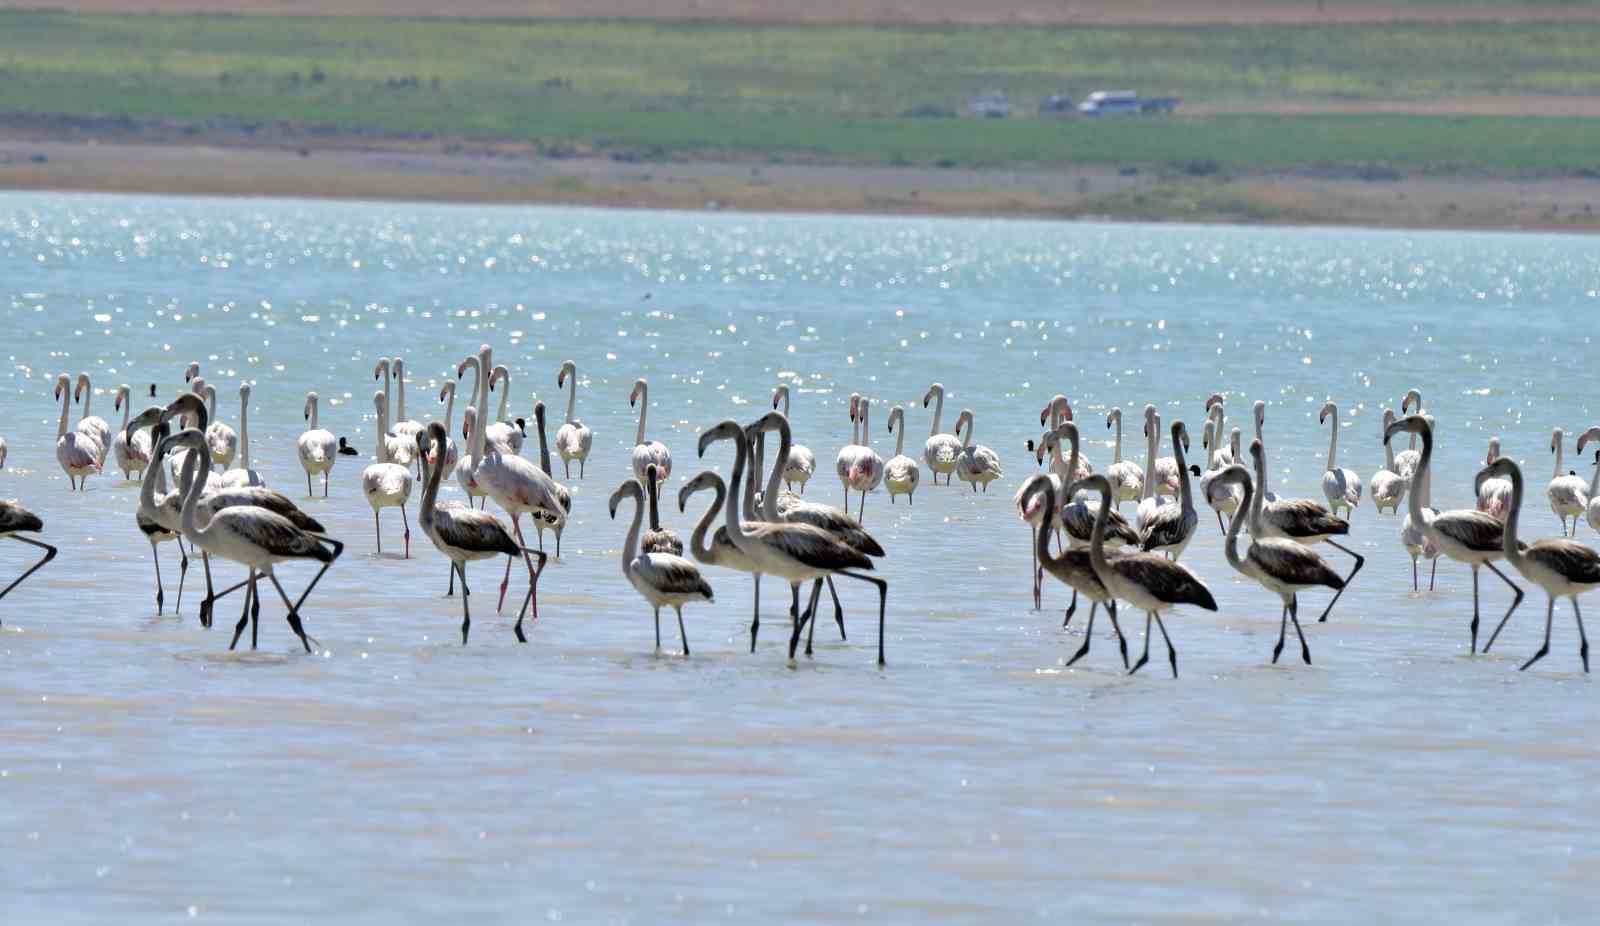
column 152, row 390
column 346, row 450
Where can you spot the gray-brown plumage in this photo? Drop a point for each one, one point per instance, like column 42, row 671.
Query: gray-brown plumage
column 1560, row 567
column 1300, row 520
column 656, row 540
column 662, row 579
column 464, row 535
column 1170, row 528
column 1074, row 568
column 544, row 519
column 16, row 520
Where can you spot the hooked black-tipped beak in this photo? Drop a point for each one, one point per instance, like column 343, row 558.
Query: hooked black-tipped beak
column 1194, row 470
column 522, row 426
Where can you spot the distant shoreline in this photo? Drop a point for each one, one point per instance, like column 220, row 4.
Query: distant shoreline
column 365, row 168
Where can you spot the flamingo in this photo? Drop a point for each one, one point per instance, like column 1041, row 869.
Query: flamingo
column 1152, row 500
column 244, row 476
column 222, row 444
column 385, row 484
column 798, row 553
column 1303, row 521
column 662, row 579
column 849, row 453
column 940, row 451
column 464, row 535
column 1561, row 567
column 93, row 425
column 1223, row 497
column 515, row 483
column 1494, row 494
column 788, row 508
column 977, row 465
column 255, row 538
column 1592, row 513
column 132, row 452
column 721, row 550
column 1164, row 472
column 316, row 447
column 1341, row 487
column 1072, row 567
column 574, row 439
column 1280, row 566
column 802, row 462
column 651, row 451
column 76, row 451
column 1388, row 487
column 504, row 433
column 1057, row 411
column 15, row 521
column 1465, row 535
column 1170, row 528
column 556, row 521
column 1127, row 477
column 865, row 470
column 1148, row 581
column 1076, row 514
column 402, row 426
column 1405, row 462
column 655, row 539
column 1226, row 456
column 2, row 453
column 469, row 424
column 1259, row 412
column 901, row 474
column 451, row 455
column 159, row 515
column 1415, row 538
column 1569, row 495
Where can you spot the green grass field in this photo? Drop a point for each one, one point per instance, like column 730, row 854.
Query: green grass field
column 826, row 92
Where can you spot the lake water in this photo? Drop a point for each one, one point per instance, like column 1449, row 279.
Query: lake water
column 148, row 775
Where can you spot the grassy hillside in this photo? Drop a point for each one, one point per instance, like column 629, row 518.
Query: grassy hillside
column 831, row 92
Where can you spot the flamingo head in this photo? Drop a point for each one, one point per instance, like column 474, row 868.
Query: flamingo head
column 150, row 417
column 1412, row 424
column 191, row 371
column 382, row 369
column 1412, row 397
column 1327, row 409
column 1555, row 440
column 629, row 489
column 567, row 368
column 777, row 395
column 937, row 389
column 1494, row 451
column 311, row 403
column 522, row 425
column 1113, row 418
column 187, row 403
column 726, row 430
column 1213, row 400
column 639, row 386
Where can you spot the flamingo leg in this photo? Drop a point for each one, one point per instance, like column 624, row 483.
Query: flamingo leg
column 1122, row 641
column 1416, row 584
column 530, row 600
column 324, row 483
column 244, row 616
column 450, row 592
column 294, row 614
column 658, row 629
column 1549, row 617
column 682, row 634
column 1474, row 610
column 1283, row 629
column 838, row 609
column 1360, row 561
column 49, row 554
column 183, row 573
column 1088, row 634
column 883, row 604
column 505, row 583
column 755, row 611
column 1294, row 615
column 1433, row 573
column 251, row 595
column 1172, row 654
column 309, row 492
column 1145, row 657
column 407, row 522
column 466, row 610
column 377, row 531
column 1034, row 529
column 1514, row 602
column 1583, row 639
column 811, row 614
column 155, row 555
column 1072, row 608
column 338, row 549
column 794, row 614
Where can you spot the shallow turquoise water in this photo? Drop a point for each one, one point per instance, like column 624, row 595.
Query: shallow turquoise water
column 149, row 776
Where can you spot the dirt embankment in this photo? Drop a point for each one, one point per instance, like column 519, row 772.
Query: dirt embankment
column 898, row 12
column 324, row 166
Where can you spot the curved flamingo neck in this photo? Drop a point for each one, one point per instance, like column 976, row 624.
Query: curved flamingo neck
column 1255, row 506
column 1414, row 505
column 783, row 396
column 244, row 429
column 630, row 546
column 1042, row 536
column 430, row 487
column 1185, row 490
column 481, row 424
column 898, row 416
column 313, row 403
column 1097, row 537
column 66, row 406
column 1230, row 547
column 1388, row 448
column 192, row 486
column 1333, row 438
column 88, row 393
column 449, row 407
column 1152, row 444
column 655, row 512
column 127, row 406
column 384, row 367
column 769, row 500
column 544, row 461
column 741, row 455
column 1116, row 450
column 866, row 439
column 703, row 551
column 938, row 411
column 1513, row 552
column 1560, row 442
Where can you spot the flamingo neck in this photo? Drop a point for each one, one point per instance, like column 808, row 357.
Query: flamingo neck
column 769, row 501
column 1333, row 439
column 866, row 438
column 149, row 485
column 313, row 413
column 544, row 462
column 1116, row 449
column 127, row 407
column 899, row 416
column 383, row 432
column 703, row 551
column 741, row 454
column 88, row 393
column 480, row 425
column 572, row 394
column 1185, row 491
column 1560, row 442
column 1151, row 446
column 66, row 408
column 971, row 426
column 1233, row 444
column 655, row 513
column 1211, row 440
column 244, row 431
column 1388, row 450
column 449, row 408
column 938, row 411
column 783, row 396
column 1041, row 538
column 430, row 485
column 505, row 399
column 1594, row 483
column 1097, row 537
column 630, row 546
column 1256, row 503
column 192, row 486
column 400, row 391
column 1230, row 545
column 1509, row 535
column 1414, row 506
column 644, row 409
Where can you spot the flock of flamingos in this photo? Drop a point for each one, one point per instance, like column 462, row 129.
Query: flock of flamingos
column 222, row 508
